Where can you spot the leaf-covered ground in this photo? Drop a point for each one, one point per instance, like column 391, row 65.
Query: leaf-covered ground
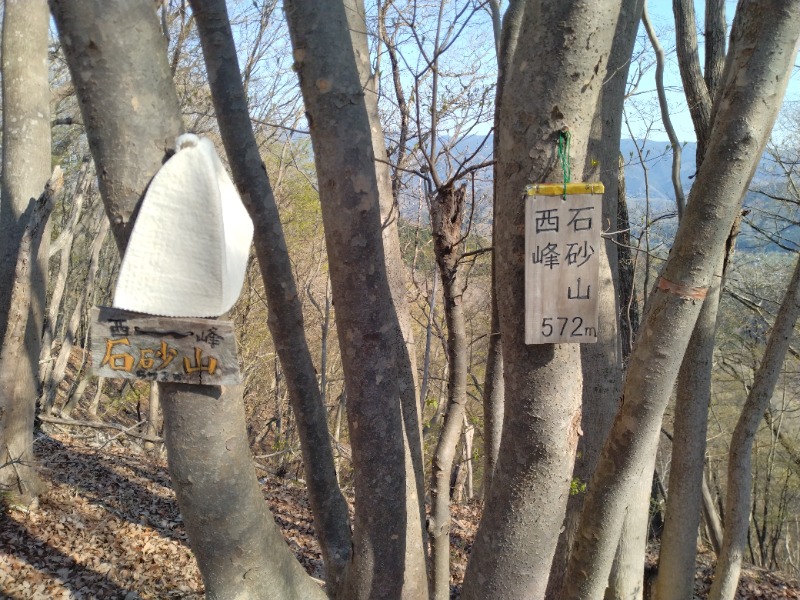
column 108, row 527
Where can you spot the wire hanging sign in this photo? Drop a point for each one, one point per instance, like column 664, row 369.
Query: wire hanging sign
column 562, row 266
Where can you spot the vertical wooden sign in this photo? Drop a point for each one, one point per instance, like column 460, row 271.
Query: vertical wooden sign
column 562, row 242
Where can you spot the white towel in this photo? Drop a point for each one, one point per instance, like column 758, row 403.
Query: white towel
column 188, row 250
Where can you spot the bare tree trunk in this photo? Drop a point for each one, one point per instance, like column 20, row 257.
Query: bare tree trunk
column 285, row 320
column 388, row 554
column 153, row 418
column 601, row 363
column 714, row 50
column 626, row 579
column 676, row 564
column 337, row 433
column 739, row 488
column 689, row 63
column 56, row 375
column 116, row 52
column 755, row 79
column 64, row 245
column 511, row 558
column 628, row 305
column 75, row 397
column 95, row 403
column 233, row 534
column 466, row 458
column 679, row 541
column 426, row 361
column 411, row 407
column 711, row 518
column 447, row 214
column 506, row 34
column 26, row 167
column 18, row 476
column 493, row 395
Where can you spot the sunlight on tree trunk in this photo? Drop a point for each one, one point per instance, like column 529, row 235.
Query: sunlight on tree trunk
column 388, row 551
column 26, row 167
column 286, row 316
column 511, row 557
column 738, row 496
column 755, row 81
column 116, row 51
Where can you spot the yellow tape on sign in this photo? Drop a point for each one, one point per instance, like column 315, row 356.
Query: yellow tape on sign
column 557, row 189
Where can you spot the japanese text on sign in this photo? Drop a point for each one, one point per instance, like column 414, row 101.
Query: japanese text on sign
column 562, row 242
column 135, row 346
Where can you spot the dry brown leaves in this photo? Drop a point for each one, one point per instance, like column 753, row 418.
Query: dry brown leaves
column 109, row 527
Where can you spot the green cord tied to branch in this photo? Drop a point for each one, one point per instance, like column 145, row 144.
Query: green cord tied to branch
column 563, row 157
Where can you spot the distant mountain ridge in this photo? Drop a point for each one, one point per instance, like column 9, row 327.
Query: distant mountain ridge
column 656, row 157
column 771, row 216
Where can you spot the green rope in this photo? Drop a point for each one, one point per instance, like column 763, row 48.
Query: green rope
column 563, row 157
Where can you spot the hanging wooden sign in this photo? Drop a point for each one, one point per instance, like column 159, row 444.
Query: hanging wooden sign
column 562, row 241
column 167, row 349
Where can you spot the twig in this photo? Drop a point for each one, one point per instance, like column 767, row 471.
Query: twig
column 101, row 425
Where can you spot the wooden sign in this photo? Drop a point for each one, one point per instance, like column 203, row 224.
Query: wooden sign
column 562, row 241
column 179, row 350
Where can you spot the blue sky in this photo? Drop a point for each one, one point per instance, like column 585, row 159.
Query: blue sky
column 642, row 111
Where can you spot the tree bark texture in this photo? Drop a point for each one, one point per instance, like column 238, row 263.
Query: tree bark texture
column 117, row 57
column 26, row 168
column 683, row 511
column 388, row 554
column 395, row 269
column 714, row 51
column 56, row 375
column 626, row 580
column 676, row 560
column 756, row 74
column 512, row 555
column 18, row 476
column 447, row 215
column 601, row 363
column 691, row 75
column 711, row 517
column 210, row 464
column 739, row 486
column 493, row 395
column 628, row 305
column 506, row 34
column 64, row 243
column 285, row 320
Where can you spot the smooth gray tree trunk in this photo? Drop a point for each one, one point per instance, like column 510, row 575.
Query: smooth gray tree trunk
column 63, row 245
column 411, row 402
column 511, row 556
column 117, row 57
column 21, row 483
column 388, row 548
column 683, row 510
column 332, row 523
column 676, row 564
column 506, row 34
column 694, row 85
column 601, row 363
column 753, row 86
column 739, row 486
column 447, row 215
column 26, row 168
column 56, row 375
